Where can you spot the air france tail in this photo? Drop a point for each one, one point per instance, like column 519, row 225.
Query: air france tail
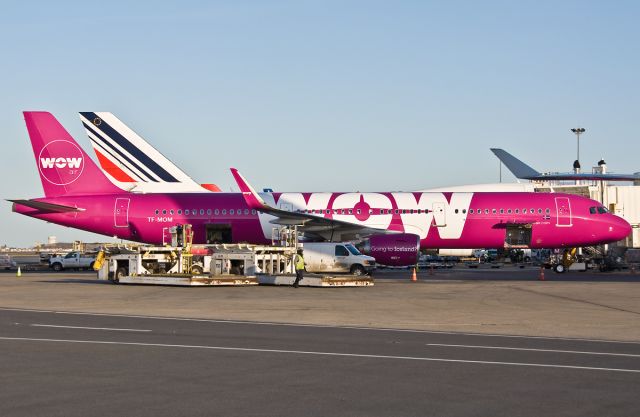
column 65, row 169
column 130, row 162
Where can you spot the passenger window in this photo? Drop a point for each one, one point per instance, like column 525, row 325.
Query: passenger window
column 164, row 211
column 494, row 211
column 397, row 211
column 216, row 212
column 186, row 212
column 202, row 212
column 470, row 211
column 501, row 211
column 547, row 211
column 253, row 211
column 224, row 212
column 517, row 211
column 171, row 212
column 246, row 211
column 456, row 211
column 539, row 211
column 358, row 211
column 232, row 212
column 157, row 212
column 208, row 212
column 341, row 251
column 509, row 211
column 464, row 211
column 532, row 211
column 486, row 211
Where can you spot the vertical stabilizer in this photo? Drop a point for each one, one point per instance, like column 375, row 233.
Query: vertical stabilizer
column 516, row 166
column 130, row 162
column 63, row 166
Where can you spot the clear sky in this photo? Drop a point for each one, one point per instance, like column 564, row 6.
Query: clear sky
column 324, row 95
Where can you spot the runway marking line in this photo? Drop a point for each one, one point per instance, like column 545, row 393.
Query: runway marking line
column 320, row 326
column 89, row 328
column 335, row 354
column 534, row 350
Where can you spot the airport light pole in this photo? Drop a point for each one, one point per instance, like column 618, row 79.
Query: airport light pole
column 578, row 131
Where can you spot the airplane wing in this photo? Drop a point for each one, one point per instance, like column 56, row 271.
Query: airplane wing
column 309, row 222
column 41, row 205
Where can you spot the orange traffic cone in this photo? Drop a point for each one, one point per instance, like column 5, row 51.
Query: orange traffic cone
column 541, row 278
column 414, row 276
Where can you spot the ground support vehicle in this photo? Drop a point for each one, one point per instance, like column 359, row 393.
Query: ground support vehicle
column 336, row 257
column 6, row 262
column 223, row 265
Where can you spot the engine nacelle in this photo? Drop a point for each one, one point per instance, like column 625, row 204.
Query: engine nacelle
column 393, row 250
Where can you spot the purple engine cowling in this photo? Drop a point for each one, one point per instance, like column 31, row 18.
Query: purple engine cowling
column 393, row 250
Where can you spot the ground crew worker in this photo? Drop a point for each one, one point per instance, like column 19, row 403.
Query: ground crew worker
column 299, row 268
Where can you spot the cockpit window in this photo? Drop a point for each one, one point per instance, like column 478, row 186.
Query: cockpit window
column 602, row 210
column 592, row 210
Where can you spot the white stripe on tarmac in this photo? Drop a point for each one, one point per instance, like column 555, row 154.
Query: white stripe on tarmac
column 335, row 354
column 89, row 328
column 320, row 326
column 534, row 350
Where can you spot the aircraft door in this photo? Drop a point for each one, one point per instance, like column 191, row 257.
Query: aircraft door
column 439, row 214
column 563, row 210
column 121, row 212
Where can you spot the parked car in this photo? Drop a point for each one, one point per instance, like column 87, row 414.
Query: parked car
column 72, row 260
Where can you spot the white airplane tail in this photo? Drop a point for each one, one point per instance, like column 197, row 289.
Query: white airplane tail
column 130, row 162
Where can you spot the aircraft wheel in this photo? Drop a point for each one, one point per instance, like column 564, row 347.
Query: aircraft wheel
column 559, row 268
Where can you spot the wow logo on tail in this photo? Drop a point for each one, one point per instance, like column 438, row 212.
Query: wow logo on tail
column 61, row 162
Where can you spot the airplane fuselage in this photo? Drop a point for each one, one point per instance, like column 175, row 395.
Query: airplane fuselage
column 441, row 220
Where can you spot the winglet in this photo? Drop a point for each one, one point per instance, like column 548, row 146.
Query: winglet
column 516, row 166
column 250, row 196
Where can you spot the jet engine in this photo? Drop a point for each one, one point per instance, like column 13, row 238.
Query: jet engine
column 393, row 250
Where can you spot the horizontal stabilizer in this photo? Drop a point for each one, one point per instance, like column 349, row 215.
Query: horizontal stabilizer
column 516, row 166
column 41, row 205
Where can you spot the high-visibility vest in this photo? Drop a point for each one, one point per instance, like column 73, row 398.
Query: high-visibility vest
column 299, row 262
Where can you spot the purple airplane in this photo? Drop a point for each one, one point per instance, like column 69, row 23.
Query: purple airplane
column 394, row 226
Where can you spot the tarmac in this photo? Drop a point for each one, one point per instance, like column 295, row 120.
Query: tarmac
column 504, row 301
column 458, row 342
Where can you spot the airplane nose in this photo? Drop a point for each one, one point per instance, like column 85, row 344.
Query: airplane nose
column 619, row 228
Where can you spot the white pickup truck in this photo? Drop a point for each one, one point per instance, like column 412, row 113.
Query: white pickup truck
column 72, row 260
